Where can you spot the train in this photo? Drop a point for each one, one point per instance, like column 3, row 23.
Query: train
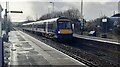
column 60, row 28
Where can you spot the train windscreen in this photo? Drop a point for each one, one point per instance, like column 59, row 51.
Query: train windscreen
column 64, row 25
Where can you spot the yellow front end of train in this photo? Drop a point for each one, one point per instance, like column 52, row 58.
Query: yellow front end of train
column 65, row 31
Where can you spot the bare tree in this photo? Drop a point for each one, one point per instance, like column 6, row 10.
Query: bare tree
column 71, row 14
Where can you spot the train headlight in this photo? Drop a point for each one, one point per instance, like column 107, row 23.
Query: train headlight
column 58, row 31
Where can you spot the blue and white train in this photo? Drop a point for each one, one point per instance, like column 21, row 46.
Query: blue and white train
column 60, row 28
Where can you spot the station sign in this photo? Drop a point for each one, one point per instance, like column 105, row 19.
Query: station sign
column 15, row 12
column 104, row 20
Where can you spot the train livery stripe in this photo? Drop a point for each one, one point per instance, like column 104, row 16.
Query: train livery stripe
column 65, row 31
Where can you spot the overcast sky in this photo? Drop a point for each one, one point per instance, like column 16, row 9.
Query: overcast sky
column 34, row 9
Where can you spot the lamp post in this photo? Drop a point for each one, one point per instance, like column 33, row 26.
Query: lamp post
column 82, row 21
column 53, row 5
column 119, row 7
column 6, row 22
column 53, row 8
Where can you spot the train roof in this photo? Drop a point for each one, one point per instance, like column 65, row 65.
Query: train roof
column 39, row 22
column 49, row 20
column 42, row 21
column 27, row 23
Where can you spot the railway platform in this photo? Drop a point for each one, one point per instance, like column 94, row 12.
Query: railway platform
column 97, row 39
column 26, row 50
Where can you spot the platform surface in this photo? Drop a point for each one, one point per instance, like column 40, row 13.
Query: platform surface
column 26, row 50
column 104, row 40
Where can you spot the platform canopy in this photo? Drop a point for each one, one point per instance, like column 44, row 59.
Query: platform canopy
column 116, row 15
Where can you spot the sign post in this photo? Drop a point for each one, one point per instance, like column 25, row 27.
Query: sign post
column 104, row 27
column 1, row 42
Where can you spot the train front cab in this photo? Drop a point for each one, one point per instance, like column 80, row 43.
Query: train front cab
column 64, row 31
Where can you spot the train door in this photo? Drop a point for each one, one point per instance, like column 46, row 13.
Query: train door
column 33, row 27
column 36, row 27
column 54, row 26
column 46, row 27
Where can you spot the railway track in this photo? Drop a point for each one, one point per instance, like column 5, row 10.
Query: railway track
column 107, row 52
column 90, row 54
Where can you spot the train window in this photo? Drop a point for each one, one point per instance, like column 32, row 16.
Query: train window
column 50, row 26
column 40, row 26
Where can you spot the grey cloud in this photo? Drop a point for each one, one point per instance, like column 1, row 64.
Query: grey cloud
column 91, row 9
column 95, row 9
